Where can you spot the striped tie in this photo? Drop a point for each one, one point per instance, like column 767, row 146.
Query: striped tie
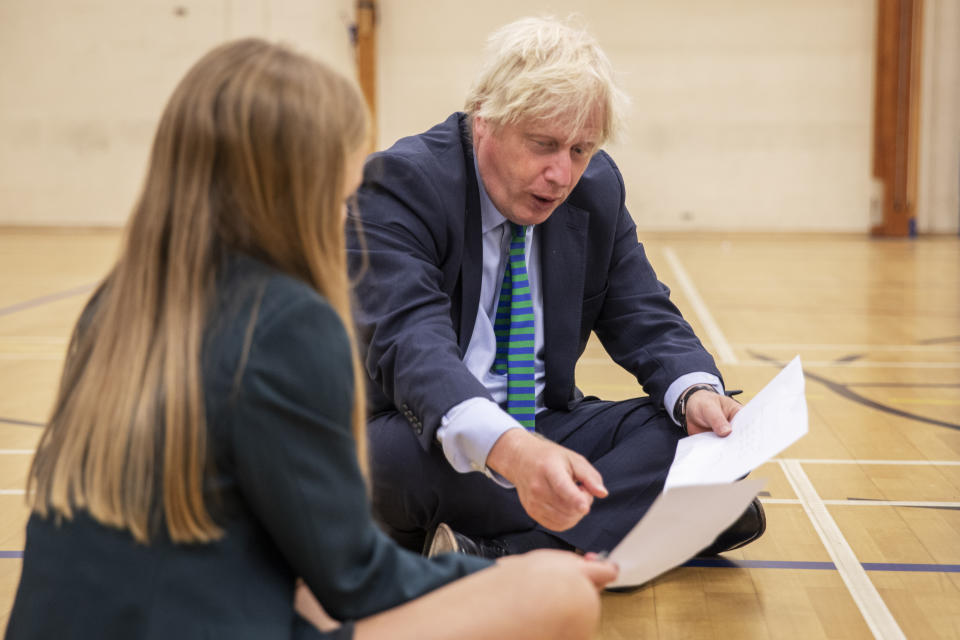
column 513, row 327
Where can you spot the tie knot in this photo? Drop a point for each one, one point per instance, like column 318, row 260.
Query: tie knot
column 517, row 230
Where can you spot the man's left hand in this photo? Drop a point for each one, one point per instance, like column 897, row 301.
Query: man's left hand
column 709, row 411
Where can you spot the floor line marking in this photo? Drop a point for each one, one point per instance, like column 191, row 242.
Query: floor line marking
column 53, row 297
column 819, row 364
column 925, row 463
column 719, row 340
column 13, row 492
column 726, row 563
column 869, row 503
column 858, row 398
column 24, row 423
column 892, row 503
column 17, row 452
column 721, row 562
column 865, row 595
column 871, row 364
column 852, row 347
column 934, row 402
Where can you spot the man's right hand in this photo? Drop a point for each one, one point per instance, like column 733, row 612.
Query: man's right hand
column 556, row 486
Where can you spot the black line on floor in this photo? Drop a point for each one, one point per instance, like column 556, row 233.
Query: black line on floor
column 907, row 385
column 946, row 340
column 850, row 358
column 843, row 391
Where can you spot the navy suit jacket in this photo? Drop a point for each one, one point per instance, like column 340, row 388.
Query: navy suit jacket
column 418, row 258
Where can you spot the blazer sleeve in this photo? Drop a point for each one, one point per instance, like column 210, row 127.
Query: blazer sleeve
column 296, row 465
column 638, row 324
column 411, row 227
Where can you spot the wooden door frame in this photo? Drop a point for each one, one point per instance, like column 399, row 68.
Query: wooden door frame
column 365, row 50
column 896, row 113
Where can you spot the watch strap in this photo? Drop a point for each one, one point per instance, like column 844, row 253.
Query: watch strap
column 680, row 408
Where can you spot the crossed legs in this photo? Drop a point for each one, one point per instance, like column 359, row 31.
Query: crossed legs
column 631, row 443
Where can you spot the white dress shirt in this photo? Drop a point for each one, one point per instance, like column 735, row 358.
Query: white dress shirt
column 470, row 429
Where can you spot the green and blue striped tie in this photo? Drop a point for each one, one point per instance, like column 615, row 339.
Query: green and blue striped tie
column 513, row 326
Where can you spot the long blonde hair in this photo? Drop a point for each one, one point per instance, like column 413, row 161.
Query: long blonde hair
column 249, row 155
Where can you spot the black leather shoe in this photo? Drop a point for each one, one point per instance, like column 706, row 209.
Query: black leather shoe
column 446, row 540
column 747, row 528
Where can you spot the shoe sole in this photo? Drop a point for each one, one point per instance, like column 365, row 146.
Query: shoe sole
column 443, row 541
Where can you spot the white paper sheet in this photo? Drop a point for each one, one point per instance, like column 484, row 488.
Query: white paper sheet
column 681, row 522
column 765, row 426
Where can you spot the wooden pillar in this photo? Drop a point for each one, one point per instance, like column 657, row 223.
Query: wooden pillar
column 365, row 47
column 896, row 110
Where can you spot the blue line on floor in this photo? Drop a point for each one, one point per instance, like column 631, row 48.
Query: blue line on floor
column 53, row 297
column 759, row 564
column 25, row 423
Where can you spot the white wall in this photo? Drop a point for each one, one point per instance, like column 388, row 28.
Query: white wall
column 747, row 114
column 83, row 82
column 938, row 183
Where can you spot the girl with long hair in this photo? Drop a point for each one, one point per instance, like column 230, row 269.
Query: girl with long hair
column 202, row 472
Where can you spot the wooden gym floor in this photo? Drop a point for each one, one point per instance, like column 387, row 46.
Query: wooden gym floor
column 863, row 534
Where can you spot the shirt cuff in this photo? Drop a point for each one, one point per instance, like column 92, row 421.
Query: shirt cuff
column 469, row 430
column 685, row 382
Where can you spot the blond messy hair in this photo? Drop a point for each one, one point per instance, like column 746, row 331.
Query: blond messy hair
column 544, row 68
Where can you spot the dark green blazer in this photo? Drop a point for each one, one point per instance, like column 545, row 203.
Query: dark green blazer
column 286, row 488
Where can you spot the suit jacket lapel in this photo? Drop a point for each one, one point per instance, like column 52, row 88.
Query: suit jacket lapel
column 472, row 265
column 562, row 271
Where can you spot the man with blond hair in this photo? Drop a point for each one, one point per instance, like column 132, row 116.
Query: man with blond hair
column 492, row 246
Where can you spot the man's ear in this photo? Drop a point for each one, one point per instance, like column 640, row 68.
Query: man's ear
column 481, row 128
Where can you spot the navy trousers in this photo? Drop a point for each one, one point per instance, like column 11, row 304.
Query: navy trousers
column 631, row 443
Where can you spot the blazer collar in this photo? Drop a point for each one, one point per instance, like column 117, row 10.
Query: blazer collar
column 472, row 264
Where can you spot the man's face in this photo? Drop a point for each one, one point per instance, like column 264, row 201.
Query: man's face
column 529, row 168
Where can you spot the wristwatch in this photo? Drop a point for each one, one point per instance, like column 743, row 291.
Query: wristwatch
column 680, row 408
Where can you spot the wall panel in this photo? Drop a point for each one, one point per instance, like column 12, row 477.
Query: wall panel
column 747, row 114
column 83, row 83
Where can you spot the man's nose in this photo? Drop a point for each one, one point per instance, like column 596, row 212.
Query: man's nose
column 560, row 169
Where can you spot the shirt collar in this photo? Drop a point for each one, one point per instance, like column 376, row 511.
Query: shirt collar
column 490, row 216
